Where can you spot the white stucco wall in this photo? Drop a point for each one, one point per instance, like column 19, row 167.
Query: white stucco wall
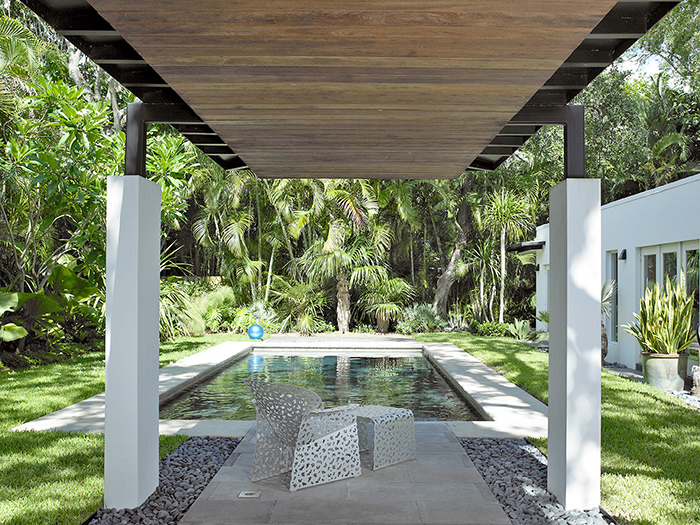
column 656, row 218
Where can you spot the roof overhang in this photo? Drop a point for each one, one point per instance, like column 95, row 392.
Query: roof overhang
column 376, row 88
column 526, row 247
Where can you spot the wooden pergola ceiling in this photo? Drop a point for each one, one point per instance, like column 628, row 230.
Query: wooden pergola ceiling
column 370, row 88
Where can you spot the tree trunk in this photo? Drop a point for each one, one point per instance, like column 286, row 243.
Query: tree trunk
column 76, row 75
column 118, row 115
column 437, row 239
column 603, row 342
column 449, row 276
column 413, row 272
column 383, row 325
column 502, row 304
column 444, row 284
column 343, row 308
column 269, row 273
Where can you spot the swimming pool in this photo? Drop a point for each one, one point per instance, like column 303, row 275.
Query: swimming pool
column 409, row 382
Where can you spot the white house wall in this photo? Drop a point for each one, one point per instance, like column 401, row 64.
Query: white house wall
column 662, row 216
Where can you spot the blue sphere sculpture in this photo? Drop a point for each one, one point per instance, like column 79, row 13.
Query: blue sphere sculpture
column 255, row 331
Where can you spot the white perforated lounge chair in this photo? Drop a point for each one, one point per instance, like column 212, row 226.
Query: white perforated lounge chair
column 294, row 432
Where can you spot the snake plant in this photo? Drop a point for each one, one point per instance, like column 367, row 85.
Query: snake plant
column 664, row 324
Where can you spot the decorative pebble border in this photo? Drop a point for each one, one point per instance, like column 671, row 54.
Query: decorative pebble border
column 516, row 473
column 184, row 473
column 686, row 396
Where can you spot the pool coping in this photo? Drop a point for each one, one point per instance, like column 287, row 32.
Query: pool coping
column 511, row 411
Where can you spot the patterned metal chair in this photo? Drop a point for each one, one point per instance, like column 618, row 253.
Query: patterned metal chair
column 295, row 433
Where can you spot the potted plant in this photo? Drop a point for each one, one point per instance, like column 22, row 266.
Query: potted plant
column 664, row 330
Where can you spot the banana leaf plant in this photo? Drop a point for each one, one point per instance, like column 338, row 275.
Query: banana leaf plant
column 9, row 331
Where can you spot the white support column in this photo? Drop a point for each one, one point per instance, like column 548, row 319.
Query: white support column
column 574, row 343
column 133, row 281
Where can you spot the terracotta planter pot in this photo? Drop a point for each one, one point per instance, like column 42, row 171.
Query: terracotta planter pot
column 665, row 371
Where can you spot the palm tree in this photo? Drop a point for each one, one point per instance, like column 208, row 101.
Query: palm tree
column 508, row 216
column 298, row 304
column 481, row 260
column 385, row 299
column 347, row 261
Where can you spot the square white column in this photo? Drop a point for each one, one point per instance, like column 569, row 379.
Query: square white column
column 132, row 344
column 574, row 343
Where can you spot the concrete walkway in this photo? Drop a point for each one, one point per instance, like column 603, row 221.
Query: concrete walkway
column 440, row 486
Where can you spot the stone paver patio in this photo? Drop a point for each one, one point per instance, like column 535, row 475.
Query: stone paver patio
column 440, row 486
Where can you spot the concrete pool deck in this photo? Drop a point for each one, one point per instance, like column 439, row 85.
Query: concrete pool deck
column 512, row 411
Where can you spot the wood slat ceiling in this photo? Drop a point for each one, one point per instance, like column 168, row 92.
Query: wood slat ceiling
column 370, row 88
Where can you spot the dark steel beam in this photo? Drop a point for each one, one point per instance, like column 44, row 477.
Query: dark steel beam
column 513, row 141
column 194, row 129
column 572, row 118
column 482, row 164
column 215, row 150
column 567, row 80
column 205, row 140
column 170, row 114
column 519, row 130
column 229, row 163
column 551, row 98
column 499, row 151
column 157, row 96
column 115, row 54
column 622, row 26
column 141, row 77
column 584, row 57
column 135, row 153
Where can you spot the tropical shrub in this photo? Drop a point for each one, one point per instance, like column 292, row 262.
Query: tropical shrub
column 492, row 329
column 459, row 317
column 298, row 305
column 178, row 314
column 519, row 328
column 215, row 308
column 384, row 299
column 364, row 329
column 324, row 327
column 420, row 317
column 256, row 313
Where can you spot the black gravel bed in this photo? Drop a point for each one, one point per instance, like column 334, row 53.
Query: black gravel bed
column 516, row 473
column 184, row 473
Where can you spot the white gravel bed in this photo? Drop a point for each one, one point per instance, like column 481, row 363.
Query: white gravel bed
column 516, row 473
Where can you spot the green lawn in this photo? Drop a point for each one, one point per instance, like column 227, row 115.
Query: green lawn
column 56, row 477
column 650, row 440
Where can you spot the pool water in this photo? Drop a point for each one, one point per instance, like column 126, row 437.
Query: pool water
column 408, row 382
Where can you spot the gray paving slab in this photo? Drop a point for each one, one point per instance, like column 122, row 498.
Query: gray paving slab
column 463, row 512
column 434, row 488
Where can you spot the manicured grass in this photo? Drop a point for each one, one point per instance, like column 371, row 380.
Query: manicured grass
column 54, row 478
column 57, row 477
column 650, row 440
column 33, row 392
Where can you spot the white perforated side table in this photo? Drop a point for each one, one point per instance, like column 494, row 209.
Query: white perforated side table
column 394, row 434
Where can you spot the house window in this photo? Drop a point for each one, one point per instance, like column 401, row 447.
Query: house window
column 613, row 320
column 649, row 270
column 692, row 278
column 670, row 262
